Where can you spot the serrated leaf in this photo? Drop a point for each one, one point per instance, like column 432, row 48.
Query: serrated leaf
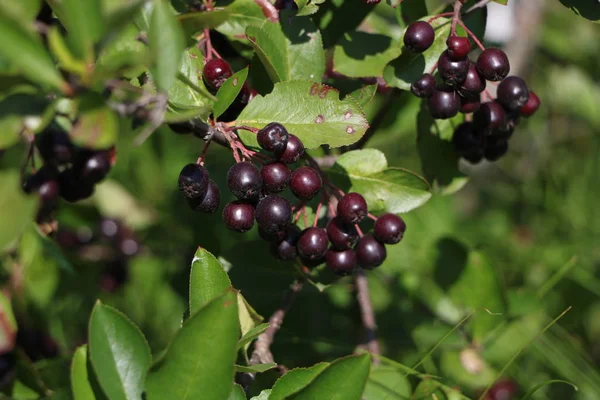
column 309, row 110
column 256, row 368
column 166, row 42
column 17, row 210
column 385, row 189
column 237, row 393
column 208, row 280
column 294, row 380
column 387, row 383
column 264, row 395
column 119, row 353
column 188, row 92
column 228, row 91
column 81, row 387
column 409, row 66
column 199, row 362
column 97, row 125
column 85, row 24
column 364, row 95
column 194, row 22
column 352, row 370
column 361, row 54
column 587, row 9
column 242, row 14
column 290, row 50
column 252, row 334
column 17, row 111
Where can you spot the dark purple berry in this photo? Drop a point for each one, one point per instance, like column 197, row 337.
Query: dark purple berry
column 285, row 249
column 244, row 180
column 496, row 150
column 341, row 262
column 513, row 93
column 341, row 235
column 532, row 105
column 33, row 182
column 275, row 176
column 49, row 192
column 293, row 150
column 193, row 181
column 473, row 84
column 444, row 104
column 469, row 104
column 216, row 72
column 239, row 216
column 452, row 73
column 389, row 229
column 305, row 183
column 458, row 47
column 96, row 167
column 312, row 244
column 273, row 137
column 370, row 253
column 419, row 36
column 273, row 214
column 424, row 86
column 493, row 64
column 110, row 228
column 72, row 188
column 352, row 208
column 55, row 146
column 289, row 5
column 490, row 115
column 468, row 142
column 210, row 202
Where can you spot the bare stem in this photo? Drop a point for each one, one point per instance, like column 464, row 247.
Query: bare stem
column 366, row 313
column 455, row 16
column 473, row 36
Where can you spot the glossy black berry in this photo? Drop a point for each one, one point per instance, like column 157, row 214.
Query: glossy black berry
column 370, row 253
column 312, row 244
column 55, row 146
column 473, row 84
column 273, row 213
column 532, row 105
column 286, row 5
column 244, row 181
column 49, row 192
column 513, row 93
column 494, row 151
column 210, row 202
column 352, row 208
column 273, row 137
column 424, row 86
column 493, row 64
column 305, row 183
column 216, row 72
column 96, row 167
column 468, row 142
column 193, row 181
column 239, row 216
column 490, row 115
column 419, row 36
column 469, row 104
column 293, row 150
column 458, row 47
column 275, row 176
column 285, row 249
column 452, row 72
column 341, row 235
column 341, row 262
column 72, row 188
column 33, row 182
column 389, row 229
column 444, row 104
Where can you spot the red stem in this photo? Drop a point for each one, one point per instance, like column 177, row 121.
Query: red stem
column 442, row 15
column 374, row 218
column 472, row 35
column 455, row 17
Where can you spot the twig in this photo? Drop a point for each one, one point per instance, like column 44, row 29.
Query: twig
column 480, row 4
column 455, row 16
column 268, row 9
column 366, row 313
column 473, row 36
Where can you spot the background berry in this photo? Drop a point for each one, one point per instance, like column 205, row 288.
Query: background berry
column 193, row 181
column 285, row 249
column 474, row 83
column 293, row 150
column 452, row 72
column 342, row 236
column 458, row 47
column 513, row 93
column 312, row 244
column 216, row 72
column 342, row 262
column 444, row 104
column 424, row 86
column 532, row 105
column 210, row 202
column 490, row 115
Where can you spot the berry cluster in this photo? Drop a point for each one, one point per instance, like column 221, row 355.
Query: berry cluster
column 258, row 191
column 463, row 83
column 69, row 171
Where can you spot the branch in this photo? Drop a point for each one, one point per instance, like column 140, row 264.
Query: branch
column 268, row 9
column 366, row 314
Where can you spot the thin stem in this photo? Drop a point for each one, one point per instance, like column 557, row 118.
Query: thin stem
column 433, row 68
column 455, row 16
column 203, row 155
column 477, row 5
column 472, row 35
column 374, row 218
column 360, row 232
column 209, row 49
column 488, row 95
column 442, row 15
column 366, row 313
column 318, row 211
column 304, row 216
column 244, row 127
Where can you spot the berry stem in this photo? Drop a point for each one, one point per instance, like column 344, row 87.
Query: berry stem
column 367, row 314
column 442, row 15
column 203, row 155
column 360, row 232
column 433, row 68
column 455, row 16
column 477, row 5
column 374, row 218
column 244, row 127
column 317, row 212
column 472, row 35
column 208, row 43
column 488, row 95
column 304, row 217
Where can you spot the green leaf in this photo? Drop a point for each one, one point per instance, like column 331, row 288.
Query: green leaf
column 166, row 42
column 386, row 383
column 8, row 330
column 25, row 10
column 80, row 381
column 361, row 54
column 264, row 395
column 252, row 334
column 309, row 110
column 24, row 48
column 114, row 201
column 119, row 353
column 17, row 112
column 17, row 210
column 537, row 387
column 118, row 13
column 237, row 393
column 256, row 368
column 429, row 389
column 308, row 7
column 194, row 22
column 124, row 54
column 248, row 316
column 295, row 380
column 352, row 370
column 199, row 362
column 242, row 14
column 364, row 95
column 188, row 92
column 408, row 67
column 228, row 91
column 208, row 280
column 290, row 50
column 584, row 8
column 386, row 189
column 83, row 20
column 97, row 125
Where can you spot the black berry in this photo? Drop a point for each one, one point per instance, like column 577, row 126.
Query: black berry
column 389, row 229
column 496, row 150
column 444, row 104
column 513, row 93
column 275, row 176
column 458, row 47
column 468, row 142
column 469, row 104
column 55, row 146
column 532, row 105
column 473, row 84
column 96, row 167
column 216, row 72
column 273, row 137
column 490, row 115
column 305, row 183
column 210, row 202
column 286, row 5
column 49, row 192
column 285, row 249
column 239, row 216
column 244, row 181
column 452, row 72
column 341, row 235
column 293, row 150
column 193, row 181
column 493, row 64
column 341, row 262
column 273, row 214
column 72, row 188
column 352, row 208
column 419, row 36
column 424, row 86
column 370, row 253
column 312, row 244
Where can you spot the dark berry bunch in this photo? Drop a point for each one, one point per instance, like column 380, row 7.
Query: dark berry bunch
column 69, row 171
column 460, row 88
